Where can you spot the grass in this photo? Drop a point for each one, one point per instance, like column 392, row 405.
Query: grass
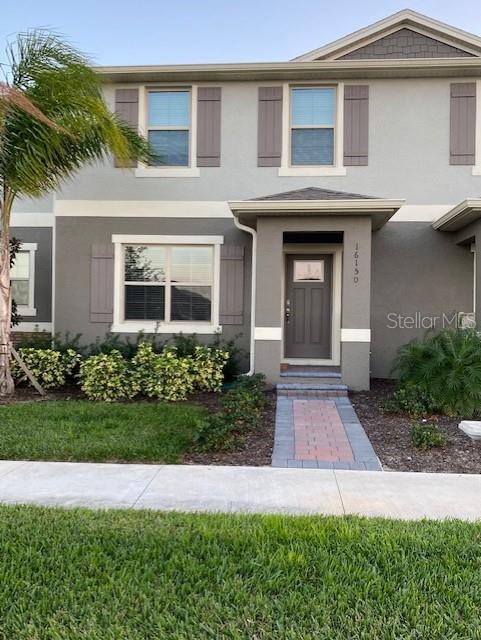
column 98, row 432
column 120, row 575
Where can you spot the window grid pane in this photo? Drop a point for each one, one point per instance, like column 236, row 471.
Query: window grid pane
column 21, row 292
column 312, row 147
column 21, row 266
column 169, row 109
column 313, row 106
column 170, row 147
column 186, row 274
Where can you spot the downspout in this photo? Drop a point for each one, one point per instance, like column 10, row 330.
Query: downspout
column 253, row 233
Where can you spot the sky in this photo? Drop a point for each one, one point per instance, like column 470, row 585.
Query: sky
column 189, row 31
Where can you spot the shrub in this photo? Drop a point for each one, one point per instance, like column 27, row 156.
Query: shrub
column 51, row 368
column 162, row 375
column 207, row 366
column 446, row 367
column 126, row 346
column 412, row 400
column 106, row 377
column 427, row 436
column 187, row 344
column 240, row 410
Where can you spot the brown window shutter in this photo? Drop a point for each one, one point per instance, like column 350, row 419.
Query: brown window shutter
column 463, row 123
column 232, row 285
column 269, row 127
column 208, row 126
column 356, row 125
column 102, row 283
column 127, row 109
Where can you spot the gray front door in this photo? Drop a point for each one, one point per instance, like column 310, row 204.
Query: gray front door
column 308, row 306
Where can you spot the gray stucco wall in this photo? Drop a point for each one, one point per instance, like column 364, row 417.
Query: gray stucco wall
column 74, row 239
column 415, row 270
column 43, row 269
column 408, row 154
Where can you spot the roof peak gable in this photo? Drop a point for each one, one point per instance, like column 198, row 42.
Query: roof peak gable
column 407, row 18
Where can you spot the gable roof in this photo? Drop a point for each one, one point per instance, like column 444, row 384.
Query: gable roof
column 458, row 39
column 313, row 193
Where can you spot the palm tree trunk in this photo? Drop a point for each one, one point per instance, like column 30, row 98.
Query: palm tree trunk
column 7, row 386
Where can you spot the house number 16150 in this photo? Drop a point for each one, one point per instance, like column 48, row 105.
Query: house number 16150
column 356, row 264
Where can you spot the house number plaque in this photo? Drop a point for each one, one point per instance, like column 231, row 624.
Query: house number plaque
column 356, row 263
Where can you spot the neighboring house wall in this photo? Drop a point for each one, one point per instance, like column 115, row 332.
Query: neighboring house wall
column 43, row 270
column 409, row 160
column 416, row 273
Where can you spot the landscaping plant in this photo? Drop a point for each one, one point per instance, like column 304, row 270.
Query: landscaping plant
column 52, row 369
column 107, row 377
column 411, row 399
column 53, row 120
column 207, row 366
column 446, row 368
column 425, row 435
column 240, row 410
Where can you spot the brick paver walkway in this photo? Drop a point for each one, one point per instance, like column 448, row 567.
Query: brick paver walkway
column 321, row 433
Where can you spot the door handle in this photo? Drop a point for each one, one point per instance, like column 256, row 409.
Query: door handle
column 288, row 311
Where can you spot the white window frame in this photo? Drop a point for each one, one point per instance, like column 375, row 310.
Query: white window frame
column 148, row 171
column 29, row 309
column 120, row 325
column 336, row 169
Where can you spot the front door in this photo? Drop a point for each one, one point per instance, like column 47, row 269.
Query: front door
column 308, row 303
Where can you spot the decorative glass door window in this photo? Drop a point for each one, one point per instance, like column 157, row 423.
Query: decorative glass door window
column 308, row 270
column 168, row 283
column 169, row 127
column 312, row 126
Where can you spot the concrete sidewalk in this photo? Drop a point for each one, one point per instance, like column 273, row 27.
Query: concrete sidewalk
column 242, row 489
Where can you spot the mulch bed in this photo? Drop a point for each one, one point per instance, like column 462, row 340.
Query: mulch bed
column 254, row 449
column 390, row 436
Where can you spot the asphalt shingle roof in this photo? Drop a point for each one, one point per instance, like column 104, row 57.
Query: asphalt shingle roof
column 315, row 193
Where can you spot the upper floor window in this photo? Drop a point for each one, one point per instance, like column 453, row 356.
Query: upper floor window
column 169, row 123
column 312, row 124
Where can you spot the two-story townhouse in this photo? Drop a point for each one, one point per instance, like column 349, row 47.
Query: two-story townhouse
column 325, row 208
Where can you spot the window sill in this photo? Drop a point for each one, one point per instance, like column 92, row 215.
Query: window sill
column 167, row 172
column 154, row 327
column 312, row 171
column 29, row 312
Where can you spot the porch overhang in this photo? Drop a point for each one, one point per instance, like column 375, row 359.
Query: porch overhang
column 460, row 216
column 380, row 210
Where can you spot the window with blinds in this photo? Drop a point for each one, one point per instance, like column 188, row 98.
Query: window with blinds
column 312, row 132
column 169, row 121
column 168, row 283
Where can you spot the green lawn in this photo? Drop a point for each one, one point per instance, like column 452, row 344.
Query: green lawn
column 95, row 431
column 68, row 575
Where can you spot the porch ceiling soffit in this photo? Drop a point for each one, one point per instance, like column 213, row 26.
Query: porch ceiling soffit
column 460, row 216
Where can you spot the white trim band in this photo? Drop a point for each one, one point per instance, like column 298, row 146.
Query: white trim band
column 32, row 327
column 143, row 209
column 355, row 335
column 143, row 239
column 268, row 333
column 20, row 219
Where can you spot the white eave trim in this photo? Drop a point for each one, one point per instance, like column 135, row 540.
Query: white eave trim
column 459, row 216
column 405, row 18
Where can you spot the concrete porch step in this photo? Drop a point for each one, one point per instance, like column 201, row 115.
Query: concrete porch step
column 311, row 390
column 308, row 374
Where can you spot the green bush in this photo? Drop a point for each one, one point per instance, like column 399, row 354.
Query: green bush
column 125, row 345
column 107, row 377
column 51, row 368
column 207, row 367
column 447, row 368
column 187, row 344
column 412, row 400
column 240, row 410
column 162, row 375
column 427, row 436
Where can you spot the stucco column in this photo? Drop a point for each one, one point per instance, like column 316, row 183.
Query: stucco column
column 356, row 304
column 269, row 278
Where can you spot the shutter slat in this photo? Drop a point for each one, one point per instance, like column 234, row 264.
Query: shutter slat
column 102, row 283
column 232, row 285
column 463, row 123
column 127, row 109
column 208, row 126
column 269, row 127
column 356, row 125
